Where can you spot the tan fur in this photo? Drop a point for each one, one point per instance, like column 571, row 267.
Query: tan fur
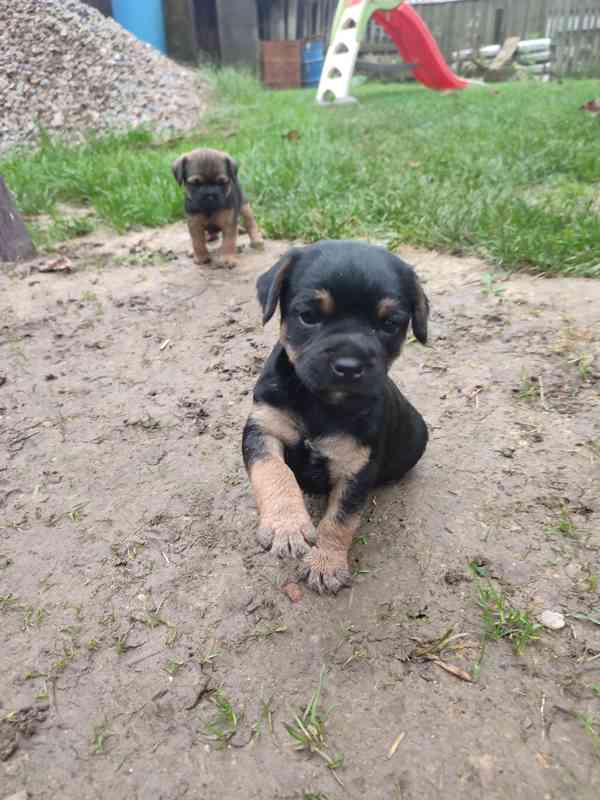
column 256, row 239
column 275, row 488
column 291, row 353
column 335, row 537
column 206, row 165
column 346, row 456
column 326, row 301
column 277, row 423
column 386, row 306
column 285, row 526
column 197, row 228
column 226, row 221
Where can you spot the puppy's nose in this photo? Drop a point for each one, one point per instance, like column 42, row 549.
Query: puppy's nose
column 347, row 367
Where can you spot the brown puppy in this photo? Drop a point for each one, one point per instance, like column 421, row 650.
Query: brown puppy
column 214, row 201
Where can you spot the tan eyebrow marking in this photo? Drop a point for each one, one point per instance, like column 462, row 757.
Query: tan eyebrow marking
column 386, row 306
column 326, row 301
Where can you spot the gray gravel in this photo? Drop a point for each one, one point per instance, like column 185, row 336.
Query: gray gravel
column 70, row 70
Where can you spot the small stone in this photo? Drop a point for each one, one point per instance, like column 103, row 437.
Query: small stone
column 552, row 620
column 292, row 591
column 573, row 569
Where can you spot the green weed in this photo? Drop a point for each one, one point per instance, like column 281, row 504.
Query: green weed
column 307, row 729
column 224, row 724
column 591, row 726
column 502, row 621
column 33, row 617
column 269, row 630
column 529, row 388
column 583, row 362
column 100, row 735
column 7, row 601
column 584, row 616
column 173, row 666
column 564, row 525
column 489, row 285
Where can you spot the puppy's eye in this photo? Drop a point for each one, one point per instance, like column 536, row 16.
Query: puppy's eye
column 309, row 317
column 390, row 326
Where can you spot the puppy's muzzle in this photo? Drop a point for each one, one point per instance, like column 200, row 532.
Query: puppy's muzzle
column 352, row 360
column 206, row 199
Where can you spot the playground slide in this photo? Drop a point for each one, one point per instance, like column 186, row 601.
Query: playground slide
column 417, row 46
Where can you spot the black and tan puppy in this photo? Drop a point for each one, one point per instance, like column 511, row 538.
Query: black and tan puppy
column 326, row 418
column 214, row 201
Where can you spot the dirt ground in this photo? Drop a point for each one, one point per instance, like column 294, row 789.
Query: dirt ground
column 131, row 584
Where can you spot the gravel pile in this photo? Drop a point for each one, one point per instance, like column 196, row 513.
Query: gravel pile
column 67, row 68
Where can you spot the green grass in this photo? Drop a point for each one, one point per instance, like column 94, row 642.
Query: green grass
column 509, row 172
column 224, row 723
column 502, row 621
column 307, row 729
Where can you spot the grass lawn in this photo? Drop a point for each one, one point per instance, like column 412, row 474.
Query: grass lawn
column 511, row 172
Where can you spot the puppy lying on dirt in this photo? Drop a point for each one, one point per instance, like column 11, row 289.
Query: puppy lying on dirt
column 214, row 201
column 326, row 418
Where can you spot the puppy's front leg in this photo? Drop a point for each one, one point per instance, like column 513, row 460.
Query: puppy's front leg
column 285, row 527
column 197, row 230
column 256, row 239
column 326, row 566
column 227, row 222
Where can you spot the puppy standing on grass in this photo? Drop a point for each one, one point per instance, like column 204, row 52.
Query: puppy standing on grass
column 214, row 201
column 326, row 418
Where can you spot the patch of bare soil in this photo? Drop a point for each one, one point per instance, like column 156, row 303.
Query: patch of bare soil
column 132, row 589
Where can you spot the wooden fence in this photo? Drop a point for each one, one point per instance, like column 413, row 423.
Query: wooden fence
column 573, row 26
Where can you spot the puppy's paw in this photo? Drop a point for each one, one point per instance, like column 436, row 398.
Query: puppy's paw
column 287, row 538
column 202, row 259
column 325, row 570
column 258, row 243
column 226, row 262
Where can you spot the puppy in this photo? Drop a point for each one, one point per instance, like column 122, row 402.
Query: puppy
column 214, row 201
column 326, row 417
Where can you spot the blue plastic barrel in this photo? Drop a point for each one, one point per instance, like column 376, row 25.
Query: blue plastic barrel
column 143, row 18
column 313, row 56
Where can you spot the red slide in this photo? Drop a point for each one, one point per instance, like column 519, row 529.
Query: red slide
column 417, row 46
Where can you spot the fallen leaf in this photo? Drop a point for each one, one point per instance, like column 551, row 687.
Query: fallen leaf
column 292, row 136
column 593, row 106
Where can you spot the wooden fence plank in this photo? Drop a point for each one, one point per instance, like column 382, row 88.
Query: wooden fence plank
column 461, row 24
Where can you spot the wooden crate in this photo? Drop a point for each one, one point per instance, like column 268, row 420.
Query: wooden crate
column 281, row 64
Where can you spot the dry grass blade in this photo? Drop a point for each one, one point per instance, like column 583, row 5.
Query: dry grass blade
column 396, row 744
column 456, row 671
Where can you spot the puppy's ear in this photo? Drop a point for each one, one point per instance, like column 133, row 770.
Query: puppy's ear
column 178, row 168
column 232, row 168
column 269, row 285
column 419, row 311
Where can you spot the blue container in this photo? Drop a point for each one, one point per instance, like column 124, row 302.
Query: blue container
column 143, row 18
column 313, row 56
